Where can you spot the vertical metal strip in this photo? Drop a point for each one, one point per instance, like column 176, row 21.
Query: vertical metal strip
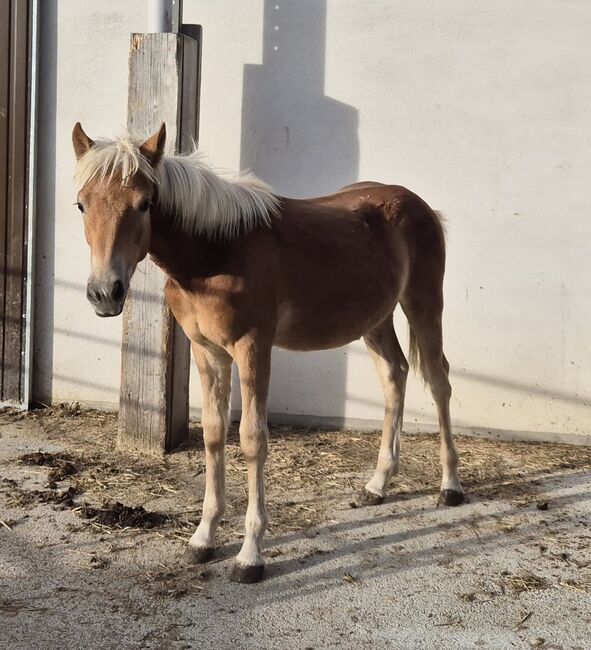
column 31, row 202
column 5, row 48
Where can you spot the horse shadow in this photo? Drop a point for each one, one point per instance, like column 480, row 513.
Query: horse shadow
column 303, row 143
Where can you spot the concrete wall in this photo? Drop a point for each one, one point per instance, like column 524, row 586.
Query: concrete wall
column 481, row 108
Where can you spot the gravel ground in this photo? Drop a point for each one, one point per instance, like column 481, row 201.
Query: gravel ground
column 510, row 569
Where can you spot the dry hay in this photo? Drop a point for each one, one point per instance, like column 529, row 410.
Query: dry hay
column 526, row 582
column 308, row 471
column 582, row 584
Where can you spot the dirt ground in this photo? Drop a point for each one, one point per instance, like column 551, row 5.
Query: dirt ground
column 91, row 542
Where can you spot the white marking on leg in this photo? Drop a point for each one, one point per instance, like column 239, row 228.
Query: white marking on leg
column 254, row 441
column 392, row 370
column 450, row 479
column 253, row 356
column 214, row 368
column 214, row 502
column 389, row 455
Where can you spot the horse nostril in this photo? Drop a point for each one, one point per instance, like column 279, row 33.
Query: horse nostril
column 93, row 295
column 117, row 290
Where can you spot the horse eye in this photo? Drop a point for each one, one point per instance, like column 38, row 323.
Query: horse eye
column 79, row 206
column 145, row 206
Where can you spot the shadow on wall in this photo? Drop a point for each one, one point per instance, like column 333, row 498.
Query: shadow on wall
column 303, row 144
column 45, row 221
column 293, row 136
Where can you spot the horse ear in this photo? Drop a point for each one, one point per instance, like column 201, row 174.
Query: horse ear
column 81, row 141
column 153, row 147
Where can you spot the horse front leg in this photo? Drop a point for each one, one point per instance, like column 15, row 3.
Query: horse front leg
column 253, row 358
column 214, row 366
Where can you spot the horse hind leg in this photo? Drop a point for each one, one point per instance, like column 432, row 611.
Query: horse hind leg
column 392, row 370
column 424, row 316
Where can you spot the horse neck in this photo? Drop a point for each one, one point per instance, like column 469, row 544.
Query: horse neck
column 181, row 256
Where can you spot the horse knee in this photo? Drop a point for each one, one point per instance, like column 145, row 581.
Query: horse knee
column 214, row 435
column 255, row 451
column 254, row 443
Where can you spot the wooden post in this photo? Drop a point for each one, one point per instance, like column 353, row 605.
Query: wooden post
column 164, row 73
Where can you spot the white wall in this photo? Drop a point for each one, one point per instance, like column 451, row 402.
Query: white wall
column 480, row 107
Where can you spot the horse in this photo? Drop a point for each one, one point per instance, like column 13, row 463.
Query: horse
column 248, row 270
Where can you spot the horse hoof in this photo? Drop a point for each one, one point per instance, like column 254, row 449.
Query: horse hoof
column 248, row 574
column 198, row 554
column 368, row 498
column 451, row 498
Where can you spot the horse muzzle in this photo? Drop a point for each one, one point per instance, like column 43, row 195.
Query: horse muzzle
column 107, row 298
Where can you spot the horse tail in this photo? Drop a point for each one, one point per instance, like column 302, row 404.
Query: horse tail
column 431, row 268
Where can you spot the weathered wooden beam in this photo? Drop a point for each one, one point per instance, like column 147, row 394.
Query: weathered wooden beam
column 164, row 72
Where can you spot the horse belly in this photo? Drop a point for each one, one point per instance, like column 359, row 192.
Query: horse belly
column 339, row 278
column 301, row 328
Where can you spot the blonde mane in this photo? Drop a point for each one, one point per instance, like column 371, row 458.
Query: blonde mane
column 200, row 201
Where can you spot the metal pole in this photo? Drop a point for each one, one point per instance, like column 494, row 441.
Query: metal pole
column 165, row 15
column 32, row 206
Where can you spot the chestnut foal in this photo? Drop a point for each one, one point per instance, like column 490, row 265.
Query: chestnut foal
column 248, row 270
